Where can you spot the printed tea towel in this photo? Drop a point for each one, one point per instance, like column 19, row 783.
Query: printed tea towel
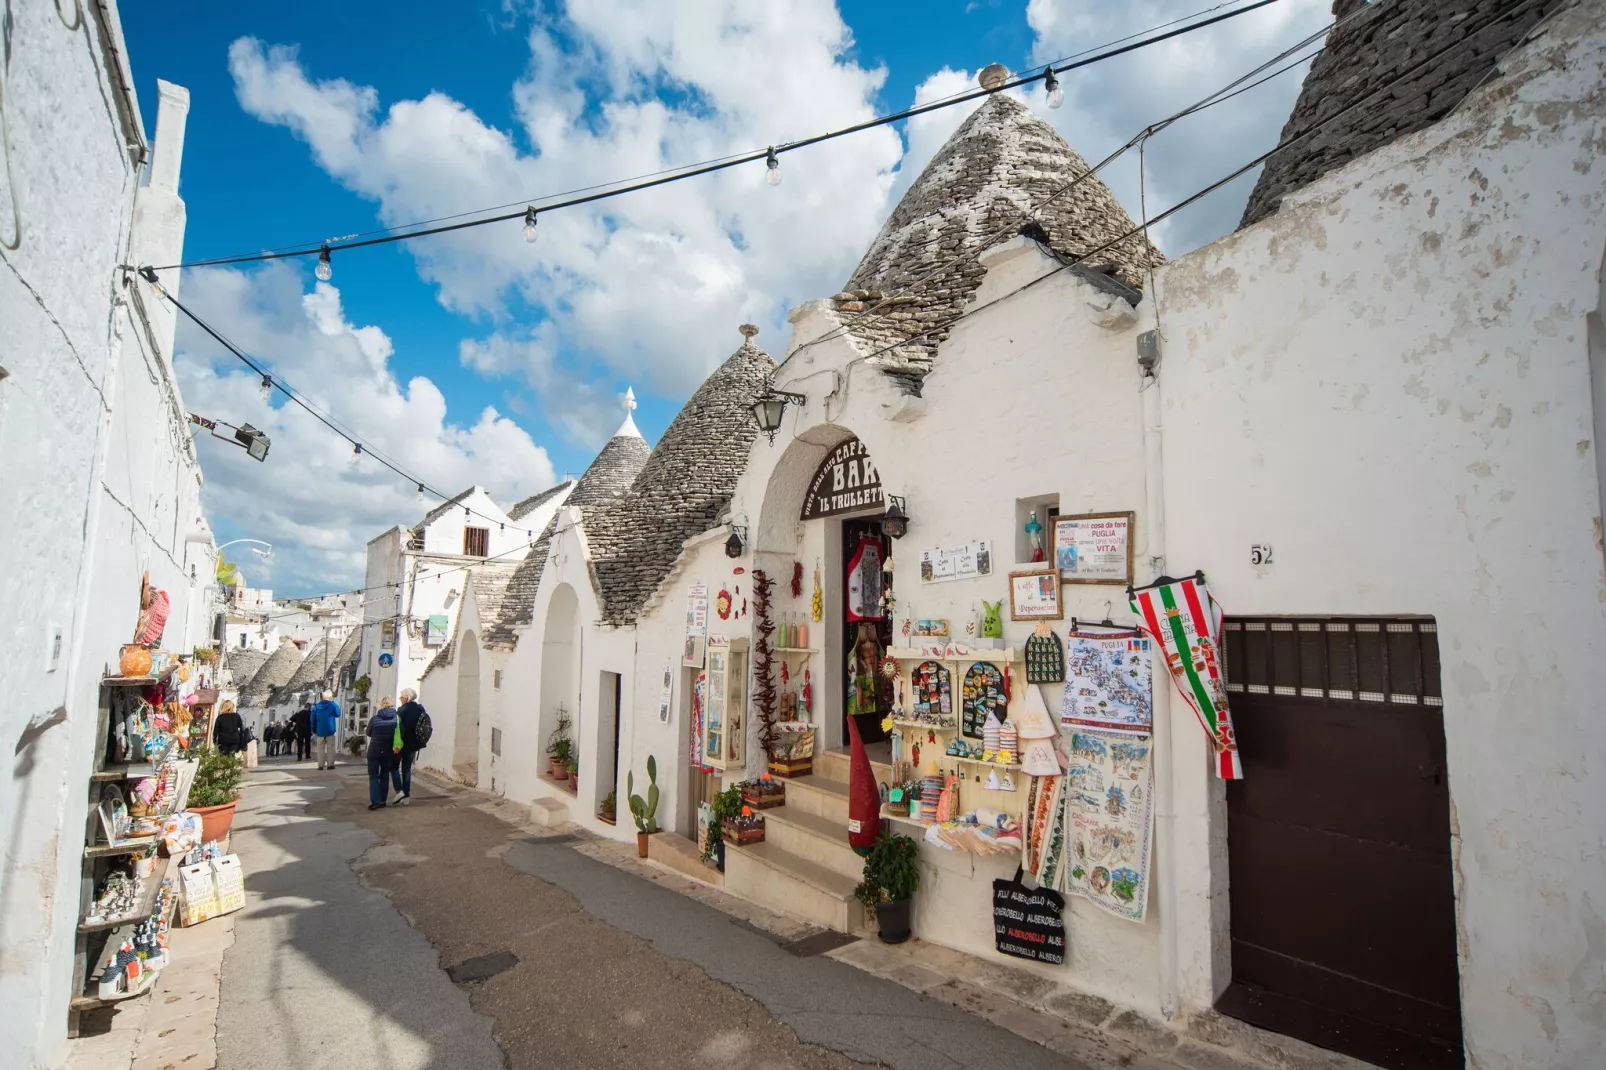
column 1186, row 622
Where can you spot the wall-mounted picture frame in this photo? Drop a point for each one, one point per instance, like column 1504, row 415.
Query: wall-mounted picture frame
column 1094, row 547
column 1035, row 595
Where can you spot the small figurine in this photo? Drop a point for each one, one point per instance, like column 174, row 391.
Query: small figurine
column 1034, row 534
column 992, row 626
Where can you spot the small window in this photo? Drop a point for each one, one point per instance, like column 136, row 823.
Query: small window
column 476, row 541
column 496, row 679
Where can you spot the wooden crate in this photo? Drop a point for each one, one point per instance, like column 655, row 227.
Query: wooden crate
column 764, row 799
column 789, row 768
column 745, row 836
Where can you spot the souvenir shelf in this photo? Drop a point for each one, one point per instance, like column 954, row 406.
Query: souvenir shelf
column 112, row 768
column 794, row 650
column 725, row 719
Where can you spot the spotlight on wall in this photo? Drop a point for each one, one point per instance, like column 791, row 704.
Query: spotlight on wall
column 770, row 407
column 737, row 543
column 895, row 522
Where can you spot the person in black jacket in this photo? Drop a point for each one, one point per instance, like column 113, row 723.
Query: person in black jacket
column 229, row 734
column 301, row 729
column 409, row 713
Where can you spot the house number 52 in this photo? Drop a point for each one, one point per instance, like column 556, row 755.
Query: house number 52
column 1260, row 554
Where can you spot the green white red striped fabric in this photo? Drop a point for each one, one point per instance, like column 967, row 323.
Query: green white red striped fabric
column 1186, row 622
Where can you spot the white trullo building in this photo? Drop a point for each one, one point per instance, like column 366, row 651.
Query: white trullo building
column 1371, row 418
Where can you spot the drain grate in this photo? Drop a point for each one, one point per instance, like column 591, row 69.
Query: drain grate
column 818, row 944
column 481, row 967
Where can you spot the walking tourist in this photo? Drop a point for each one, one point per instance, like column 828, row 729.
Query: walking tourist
column 415, row 737
column 325, row 722
column 301, row 730
column 229, row 733
column 270, row 736
column 384, row 753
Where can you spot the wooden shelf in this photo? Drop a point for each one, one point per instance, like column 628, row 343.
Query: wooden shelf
column 794, row 650
column 928, row 726
column 150, row 888
column 147, row 981
column 139, row 681
column 979, row 761
column 1007, row 654
column 131, row 845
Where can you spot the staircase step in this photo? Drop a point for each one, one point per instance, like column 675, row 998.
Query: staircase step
column 813, row 838
column 835, row 763
column 548, row 812
column 820, row 796
column 778, row 880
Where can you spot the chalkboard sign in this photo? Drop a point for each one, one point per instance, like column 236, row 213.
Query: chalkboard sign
column 1028, row 923
column 984, row 694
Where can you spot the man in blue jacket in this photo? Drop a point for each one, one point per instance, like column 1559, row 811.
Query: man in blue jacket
column 325, row 722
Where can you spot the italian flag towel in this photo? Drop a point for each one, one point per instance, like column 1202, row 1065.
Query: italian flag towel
column 1186, row 622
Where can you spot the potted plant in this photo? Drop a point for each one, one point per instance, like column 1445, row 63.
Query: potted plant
column 891, row 876
column 559, row 752
column 609, row 811
column 727, row 804
column 216, row 790
column 574, row 775
column 644, row 811
column 355, row 744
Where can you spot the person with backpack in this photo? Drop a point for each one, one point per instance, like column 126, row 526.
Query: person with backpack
column 384, row 753
column 416, row 730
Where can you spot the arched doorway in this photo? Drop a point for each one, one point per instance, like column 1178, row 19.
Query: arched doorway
column 560, row 671
column 466, row 741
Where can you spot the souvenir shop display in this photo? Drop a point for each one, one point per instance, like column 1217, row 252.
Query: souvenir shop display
column 1181, row 616
column 864, row 581
column 1109, row 681
column 1035, row 595
column 981, row 832
column 724, row 736
column 765, row 703
column 932, row 703
column 793, row 754
column 930, row 629
column 1028, row 923
column 1109, row 790
column 984, row 694
column 1045, row 657
column 745, row 828
column 763, row 793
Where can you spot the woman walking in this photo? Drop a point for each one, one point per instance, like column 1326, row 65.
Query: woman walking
column 384, row 751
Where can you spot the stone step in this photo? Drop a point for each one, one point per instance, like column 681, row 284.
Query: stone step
column 679, row 853
column 814, row 838
column 777, row 880
column 820, row 796
column 834, row 764
column 548, row 812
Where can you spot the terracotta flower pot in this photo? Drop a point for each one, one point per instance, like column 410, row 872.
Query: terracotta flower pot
column 135, row 660
column 641, row 844
column 556, row 770
column 215, row 820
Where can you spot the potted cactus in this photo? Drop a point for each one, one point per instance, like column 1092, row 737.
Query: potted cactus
column 644, row 811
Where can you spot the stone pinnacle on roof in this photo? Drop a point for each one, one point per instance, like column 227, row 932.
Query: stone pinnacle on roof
column 628, row 428
column 1004, row 167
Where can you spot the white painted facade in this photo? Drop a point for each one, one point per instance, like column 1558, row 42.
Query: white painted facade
column 1396, row 380
column 101, row 480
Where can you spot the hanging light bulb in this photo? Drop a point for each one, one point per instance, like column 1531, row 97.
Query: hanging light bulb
column 324, row 270
column 356, row 454
column 529, row 224
column 421, row 492
column 267, row 388
column 773, row 174
column 1056, row 95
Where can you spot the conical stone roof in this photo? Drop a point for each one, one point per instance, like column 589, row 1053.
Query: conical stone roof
column 277, row 671
column 1002, row 168
column 684, row 486
column 608, row 477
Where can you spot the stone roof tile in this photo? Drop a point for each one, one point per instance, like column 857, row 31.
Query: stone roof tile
column 277, row 671
column 535, row 501
column 1371, row 51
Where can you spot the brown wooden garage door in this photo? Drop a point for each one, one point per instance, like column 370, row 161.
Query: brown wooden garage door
column 1343, row 908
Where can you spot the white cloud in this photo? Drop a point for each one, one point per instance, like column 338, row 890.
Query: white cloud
column 648, row 287
column 307, row 500
column 1109, row 102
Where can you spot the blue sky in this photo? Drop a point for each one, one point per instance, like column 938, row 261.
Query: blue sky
column 482, row 359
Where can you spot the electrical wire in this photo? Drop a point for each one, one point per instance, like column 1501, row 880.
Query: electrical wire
column 725, row 163
column 358, row 446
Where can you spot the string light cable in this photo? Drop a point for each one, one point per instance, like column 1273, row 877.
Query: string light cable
column 1068, row 261
column 359, row 448
column 325, row 250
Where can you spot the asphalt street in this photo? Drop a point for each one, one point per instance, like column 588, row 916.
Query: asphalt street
column 435, row 935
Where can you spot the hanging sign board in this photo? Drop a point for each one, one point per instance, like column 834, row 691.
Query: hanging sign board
column 1094, row 548
column 846, row 482
column 696, row 624
column 435, row 634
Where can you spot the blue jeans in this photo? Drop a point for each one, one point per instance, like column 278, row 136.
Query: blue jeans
column 403, row 774
column 381, row 770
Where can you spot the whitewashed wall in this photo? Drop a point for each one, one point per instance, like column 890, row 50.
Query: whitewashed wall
column 100, row 483
column 1390, row 381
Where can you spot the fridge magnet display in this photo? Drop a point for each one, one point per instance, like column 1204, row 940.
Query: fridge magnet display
column 1109, row 794
column 1045, row 657
column 933, row 700
column 1109, row 682
column 1035, row 595
column 1094, row 547
column 984, row 694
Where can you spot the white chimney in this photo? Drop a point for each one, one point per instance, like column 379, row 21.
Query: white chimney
column 171, row 115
